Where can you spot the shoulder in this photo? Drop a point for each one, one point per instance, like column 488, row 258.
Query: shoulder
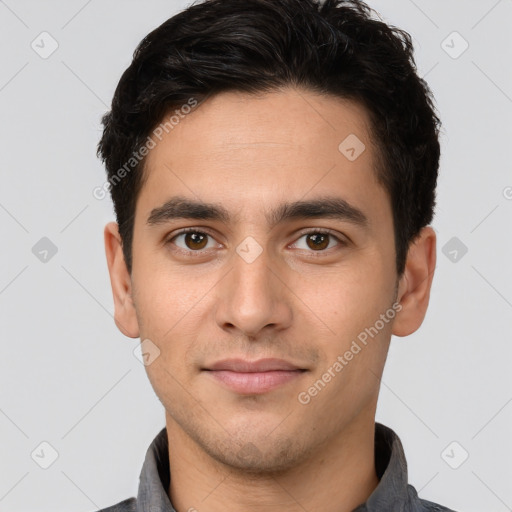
column 425, row 505
column 128, row 505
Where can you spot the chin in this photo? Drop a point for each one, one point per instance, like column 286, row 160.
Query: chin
column 258, row 457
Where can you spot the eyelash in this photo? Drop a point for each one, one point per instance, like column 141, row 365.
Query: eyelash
column 191, row 253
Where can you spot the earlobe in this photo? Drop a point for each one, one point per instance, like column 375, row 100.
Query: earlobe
column 415, row 283
column 120, row 280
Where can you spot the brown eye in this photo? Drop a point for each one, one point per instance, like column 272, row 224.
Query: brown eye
column 196, row 240
column 193, row 241
column 317, row 241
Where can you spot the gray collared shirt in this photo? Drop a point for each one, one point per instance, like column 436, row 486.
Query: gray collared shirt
column 392, row 494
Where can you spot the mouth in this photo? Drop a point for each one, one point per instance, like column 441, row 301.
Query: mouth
column 253, row 377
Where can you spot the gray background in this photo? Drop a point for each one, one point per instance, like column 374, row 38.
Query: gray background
column 68, row 377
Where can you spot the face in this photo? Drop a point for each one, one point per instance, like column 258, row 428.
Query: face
column 272, row 313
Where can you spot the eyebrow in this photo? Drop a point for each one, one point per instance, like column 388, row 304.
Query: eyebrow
column 328, row 207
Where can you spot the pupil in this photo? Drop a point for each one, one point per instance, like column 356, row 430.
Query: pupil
column 319, row 241
column 195, row 240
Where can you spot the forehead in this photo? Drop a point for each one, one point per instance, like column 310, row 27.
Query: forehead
column 247, row 150
column 288, row 119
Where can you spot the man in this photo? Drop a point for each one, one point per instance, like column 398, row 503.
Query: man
column 273, row 166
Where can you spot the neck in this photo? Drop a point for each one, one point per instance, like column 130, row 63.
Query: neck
column 337, row 478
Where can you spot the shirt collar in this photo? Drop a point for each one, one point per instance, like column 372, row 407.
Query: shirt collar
column 155, row 477
column 390, row 495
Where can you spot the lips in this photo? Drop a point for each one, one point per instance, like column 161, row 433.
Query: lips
column 253, row 377
column 261, row 365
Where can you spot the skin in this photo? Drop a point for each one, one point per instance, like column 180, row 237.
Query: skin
column 296, row 302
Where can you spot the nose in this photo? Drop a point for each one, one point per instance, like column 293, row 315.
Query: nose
column 253, row 297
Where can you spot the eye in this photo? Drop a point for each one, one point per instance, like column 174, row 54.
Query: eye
column 318, row 241
column 192, row 240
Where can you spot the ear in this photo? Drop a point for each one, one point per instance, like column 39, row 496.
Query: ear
column 415, row 283
column 120, row 280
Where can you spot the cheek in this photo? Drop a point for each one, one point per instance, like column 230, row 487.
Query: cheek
column 167, row 295
column 348, row 298
column 171, row 311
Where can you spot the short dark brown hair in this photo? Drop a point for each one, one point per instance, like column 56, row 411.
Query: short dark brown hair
column 333, row 47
